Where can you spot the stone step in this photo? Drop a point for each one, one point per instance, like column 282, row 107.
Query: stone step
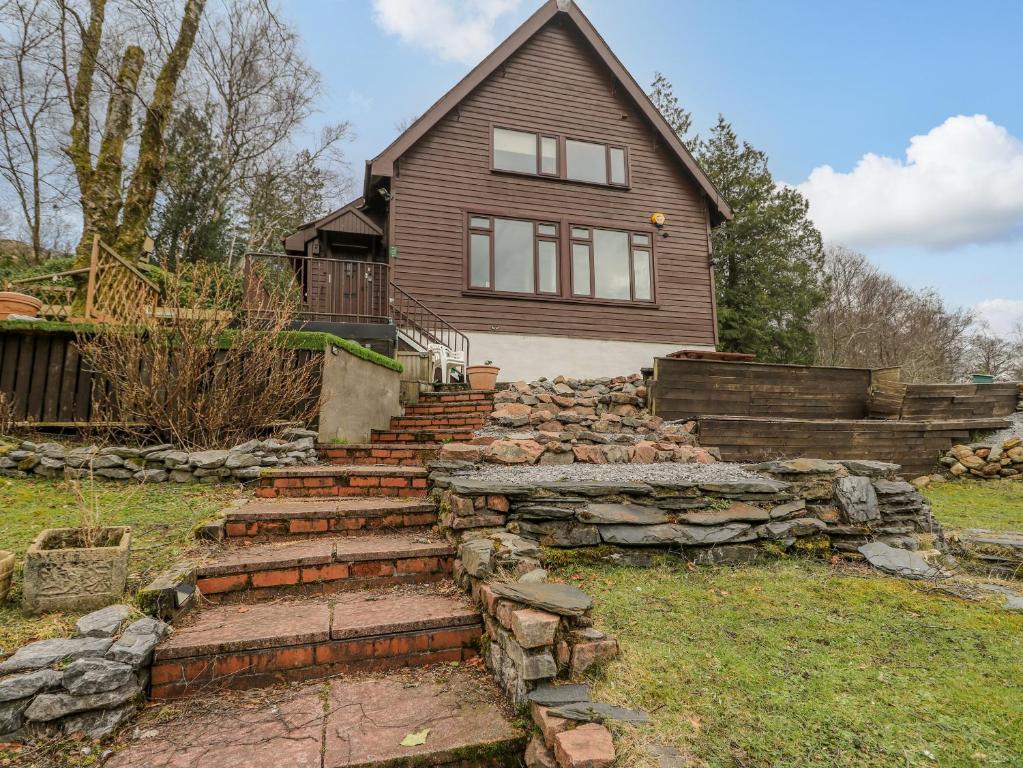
column 434, row 435
column 391, row 454
column 338, row 724
column 457, row 396
column 451, row 421
column 353, row 480
column 465, row 406
column 264, row 520
column 324, row 565
column 255, row 645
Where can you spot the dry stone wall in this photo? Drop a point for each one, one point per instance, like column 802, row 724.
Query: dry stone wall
column 996, row 460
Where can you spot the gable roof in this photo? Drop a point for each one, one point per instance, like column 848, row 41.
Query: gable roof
column 364, row 225
column 383, row 164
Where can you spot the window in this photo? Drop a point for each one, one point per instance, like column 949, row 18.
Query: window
column 609, row 264
column 514, row 150
column 542, row 154
column 513, row 255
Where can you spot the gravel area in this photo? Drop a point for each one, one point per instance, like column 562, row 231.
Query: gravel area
column 637, row 473
column 1002, row 435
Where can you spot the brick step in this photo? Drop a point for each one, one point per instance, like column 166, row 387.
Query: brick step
column 267, row 520
column 456, row 396
column 340, row 723
column 465, row 420
column 252, row 646
column 352, row 480
column 420, row 436
column 467, row 406
column 324, row 565
column 403, row 455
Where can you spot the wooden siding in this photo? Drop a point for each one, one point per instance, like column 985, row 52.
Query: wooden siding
column 351, row 223
column 916, row 446
column 554, row 84
column 686, row 389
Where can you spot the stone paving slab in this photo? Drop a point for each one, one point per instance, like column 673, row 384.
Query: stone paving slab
column 258, row 509
column 339, row 723
column 364, row 614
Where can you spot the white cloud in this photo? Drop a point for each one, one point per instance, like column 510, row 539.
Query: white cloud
column 456, row 30
column 1001, row 314
column 960, row 183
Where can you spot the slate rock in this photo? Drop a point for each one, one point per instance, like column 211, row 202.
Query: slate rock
column 102, row 623
column 899, row 562
column 241, row 461
column 868, row 468
column 208, row 459
column 670, row 534
column 51, row 706
column 857, row 498
column 466, row 486
column 98, row 723
column 11, row 714
column 737, row 512
column 543, row 512
column 621, row 514
column 88, row 676
column 784, row 529
column 797, row 467
column 476, row 557
column 668, row 757
column 562, row 599
column 28, row 684
column 136, row 645
column 726, row 554
column 598, row 712
column 556, row 695
column 743, row 487
column 597, row 488
column 559, row 533
column 535, row 576
column 45, row 653
column 175, row 459
column 147, row 625
column 151, row 475
column 894, row 487
column 515, row 546
column 1013, row 599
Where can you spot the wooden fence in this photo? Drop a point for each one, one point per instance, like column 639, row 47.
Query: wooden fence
column 685, row 389
column 49, row 384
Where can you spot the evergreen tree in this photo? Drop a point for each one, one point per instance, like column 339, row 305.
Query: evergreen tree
column 769, row 258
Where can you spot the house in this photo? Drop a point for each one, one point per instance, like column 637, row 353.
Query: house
column 519, row 213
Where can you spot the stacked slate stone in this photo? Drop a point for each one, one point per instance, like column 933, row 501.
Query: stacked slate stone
column 594, row 421
column 860, row 501
column 986, row 461
column 159, row 463
column 88, row 684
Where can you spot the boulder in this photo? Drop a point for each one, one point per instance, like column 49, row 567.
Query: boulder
column 28, row 684
column 51, row 706
column 208, row 459
column 513, row 452
column 857, row 498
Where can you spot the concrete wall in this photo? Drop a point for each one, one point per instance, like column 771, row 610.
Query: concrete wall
column 528, row 356
column 357, row 396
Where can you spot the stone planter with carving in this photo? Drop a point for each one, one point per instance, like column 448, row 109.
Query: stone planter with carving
column 6, row 573
column 62, row 575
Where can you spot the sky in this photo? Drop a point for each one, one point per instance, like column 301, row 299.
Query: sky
column 901, row 122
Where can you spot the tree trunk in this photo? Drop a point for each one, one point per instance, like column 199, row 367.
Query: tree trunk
column 141, row 195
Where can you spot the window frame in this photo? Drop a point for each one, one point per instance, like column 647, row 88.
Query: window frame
column 561, row 157
column 588, row 241
column 537, row 238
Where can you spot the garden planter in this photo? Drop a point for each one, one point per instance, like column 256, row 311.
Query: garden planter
column 63, row 575
column 6, row 573
column 12, row 303
column 482, row 376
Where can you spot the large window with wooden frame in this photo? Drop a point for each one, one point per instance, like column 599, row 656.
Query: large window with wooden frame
column 611, row 264
column 513, row 255
column 535, row 153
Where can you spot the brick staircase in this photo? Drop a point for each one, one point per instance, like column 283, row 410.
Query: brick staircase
column 348, row 579
column 414, row 438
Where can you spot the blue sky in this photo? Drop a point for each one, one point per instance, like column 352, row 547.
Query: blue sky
column 814, row 84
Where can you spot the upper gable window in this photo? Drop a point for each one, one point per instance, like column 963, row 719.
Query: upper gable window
column 514, row 151
column 542, row 154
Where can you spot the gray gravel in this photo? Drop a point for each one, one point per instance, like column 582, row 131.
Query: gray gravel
column 638, row 473
column 1002, row 435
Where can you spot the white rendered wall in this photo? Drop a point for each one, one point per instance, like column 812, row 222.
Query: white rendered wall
column 524, row 356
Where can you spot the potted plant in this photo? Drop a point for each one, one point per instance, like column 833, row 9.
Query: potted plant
column 483, row 376
column 6, row 573
column 76, row 569
column 12, row 303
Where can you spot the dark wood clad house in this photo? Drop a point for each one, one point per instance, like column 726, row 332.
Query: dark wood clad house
column 518, row 208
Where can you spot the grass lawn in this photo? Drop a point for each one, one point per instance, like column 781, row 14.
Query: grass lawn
column 802, row 663
column 161, row 516
column 994, row 504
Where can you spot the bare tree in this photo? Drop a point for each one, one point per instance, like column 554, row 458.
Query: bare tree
column 995, row 355
column 872, row 321
column 29, row 100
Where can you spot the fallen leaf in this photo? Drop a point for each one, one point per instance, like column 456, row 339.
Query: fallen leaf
column 416, row 738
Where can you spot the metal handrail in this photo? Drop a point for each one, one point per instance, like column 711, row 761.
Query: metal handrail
column 422, row 326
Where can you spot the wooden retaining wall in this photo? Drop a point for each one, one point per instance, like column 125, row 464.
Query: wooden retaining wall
column 48, row 383
column 686, row 389
column 958, row 401
column 915, row 445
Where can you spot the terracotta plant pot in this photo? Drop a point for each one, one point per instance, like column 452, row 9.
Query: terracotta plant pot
column 482, row 376
column 12, row 303
column 63, row 575
column 6, row 573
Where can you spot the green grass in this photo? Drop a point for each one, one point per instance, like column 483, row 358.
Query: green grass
column 801, row 663
column 994, row 504
column 162, row 518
